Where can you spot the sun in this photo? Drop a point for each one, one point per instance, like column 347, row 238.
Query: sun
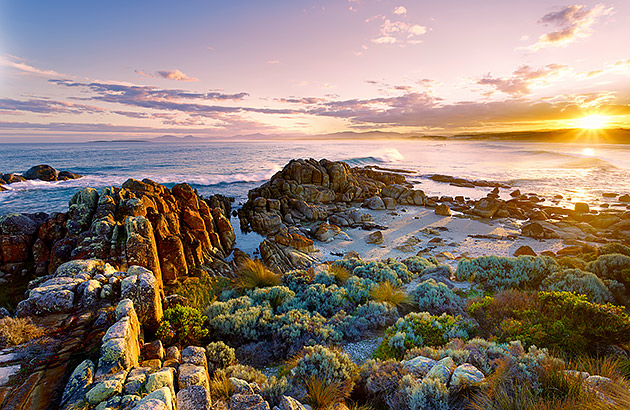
column 592, row 122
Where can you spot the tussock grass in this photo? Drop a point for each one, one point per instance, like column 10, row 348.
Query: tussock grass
column 16, row 331
column 220, row 387
column 388, row 293
column 321, row 395
column 254, row 274
column 340, row 273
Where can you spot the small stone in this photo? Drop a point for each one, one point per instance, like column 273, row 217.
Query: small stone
column 465, row 375
column 375, row 203
column 524, row 250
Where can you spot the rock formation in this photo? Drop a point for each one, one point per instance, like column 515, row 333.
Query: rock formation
column 168, row 231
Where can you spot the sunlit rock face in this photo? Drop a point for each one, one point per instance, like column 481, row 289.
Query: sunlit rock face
column 168, row 231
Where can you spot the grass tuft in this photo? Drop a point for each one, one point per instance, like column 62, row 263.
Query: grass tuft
column 388, row 293
column 220, row 387
column 16, row 331
column 254, row 274
column 340, row 273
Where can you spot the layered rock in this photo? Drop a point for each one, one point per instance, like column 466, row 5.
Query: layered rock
column 168, row 231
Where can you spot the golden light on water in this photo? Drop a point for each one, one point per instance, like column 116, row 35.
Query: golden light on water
column 588, row 152
column 592, row 122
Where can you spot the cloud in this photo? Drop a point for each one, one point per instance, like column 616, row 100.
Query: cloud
column 301, row 100
column 424, row 110
column 273, row 62
column 19, row 64
column 45, row 106
column 400, row 11
column 167, row 99
column 396, row 30
column 571, row 23
column 523, row 78
column 175, row 75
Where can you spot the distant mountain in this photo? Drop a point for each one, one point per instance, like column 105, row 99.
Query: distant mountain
column 173, row 138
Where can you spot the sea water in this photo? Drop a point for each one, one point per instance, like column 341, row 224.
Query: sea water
column 575, row 171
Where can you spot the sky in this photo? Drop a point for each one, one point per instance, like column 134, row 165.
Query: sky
column 84, row 70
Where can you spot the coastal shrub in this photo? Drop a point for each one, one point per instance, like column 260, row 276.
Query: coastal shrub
column 238, row 320
column 350, row 264
column 243, row 372
column 316, row 297
column 358, row 289
column 436, row 298
column 182, row 325
column 16, row 331
column 199, row 291
column 614, row 247
column 578, row 281
column 385, row 292
column 219, row 356
column 254, row 274
column 276, row 297
column 378, row 272
column 379, row 379
column 332, row 366
column 370, row 316
column 421, row 329
column 414, row 394
column 614, row 266
column 274, row 388
column 298, row 327
column 560, row 320
column 568, row 262
column 297, row 279
column 418, row 264
column 496, row 273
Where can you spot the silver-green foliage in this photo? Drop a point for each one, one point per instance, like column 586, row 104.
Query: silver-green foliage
column 611, row 266
column 497, row 273
column 331, row 365
column 436, row 298
column 219, row 356
column 578, row 281
column 418, row 264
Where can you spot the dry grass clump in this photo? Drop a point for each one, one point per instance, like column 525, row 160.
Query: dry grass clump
column 340, row 273
column 387, row 293
column 16, row 331
column 254, row 274
column 220, row 387
column 321, row 395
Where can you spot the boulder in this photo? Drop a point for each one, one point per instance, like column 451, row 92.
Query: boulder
column 419, row 365
column 624, row 198
column 192, row 375
column 296, row 241
column 442, row 370
column 289, row 403
column 524, row 250
column 375, row 237
column 375, row 203
column 103, row 390
column 326, row 232
column 390, row 203
column 160, row 399
column 465, row 375
column 164, row 377
column 248, row 402
column 41, row 172
column 18, row 224
column 581, row 207
column 443, row 210
column 487, row 207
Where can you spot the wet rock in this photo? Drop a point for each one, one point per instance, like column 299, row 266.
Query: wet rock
column 581, row 207
column 41, row 172
column 624, row 198
column 486, row 207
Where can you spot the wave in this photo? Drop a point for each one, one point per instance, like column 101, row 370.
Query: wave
column 99, row 181
column 545, row 153
column 589, row 163
column 384, row 156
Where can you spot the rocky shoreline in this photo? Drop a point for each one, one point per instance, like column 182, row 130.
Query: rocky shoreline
column 38, row 172
column 106, row 277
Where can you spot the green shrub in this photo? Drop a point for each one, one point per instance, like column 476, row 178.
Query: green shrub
column 373, row 315
column 358, row 289
column 421, row 329
column 219, row 356
column 436, row 298
column 199, row 291
column 239, row 320
column 276, row 297
column 332, row 366
column 246, row 373
column 378, row 379
column 496, row 273
column 182, row 325
column 559, row 320
column 296, row 328
column 611, row 248
column 578, row 281
column 296, row 280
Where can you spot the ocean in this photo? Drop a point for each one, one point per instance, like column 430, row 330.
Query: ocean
column 576, row 171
